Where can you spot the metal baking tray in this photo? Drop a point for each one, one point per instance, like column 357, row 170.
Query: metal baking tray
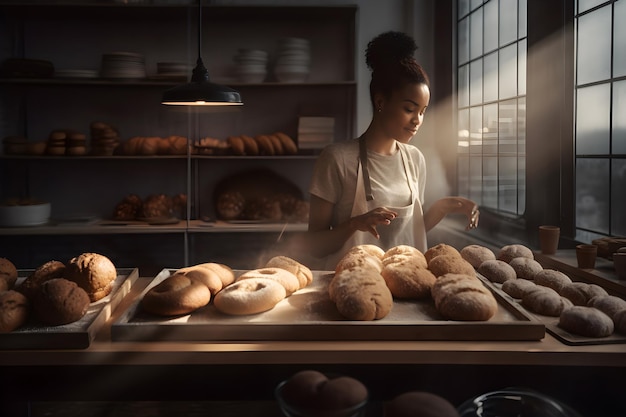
column 76, row 335
column 309, row 314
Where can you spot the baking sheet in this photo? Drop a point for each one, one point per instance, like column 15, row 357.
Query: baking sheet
column 309, row 314
column 552, row 327
column 76, row 335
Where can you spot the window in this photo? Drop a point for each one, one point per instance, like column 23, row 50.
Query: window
column 600, row 119
column 491, row 103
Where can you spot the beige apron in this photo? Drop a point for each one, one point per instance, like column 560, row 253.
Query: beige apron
column 407, row 228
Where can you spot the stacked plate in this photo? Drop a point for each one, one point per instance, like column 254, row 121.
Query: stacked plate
column 172, row 70
column 251, row 65
column 123, row 65
column 293, row 60
column 75, row 73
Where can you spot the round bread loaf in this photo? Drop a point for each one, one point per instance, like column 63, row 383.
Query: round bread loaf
column 419, row 404
column 49, row 270
column 93, row 272
column 249, row 296
column 516, row 288
column 620, row 322
column 285, row 278
column 408, row 279
column 450, row 264
column 360, row 294
column 204, row 276
column 14, row 310
column 579, row 293
column 525, row 268
column 477, row 254
column 552, row 279
column 405, row 250
column 608, row 304
column 586, row 321
column 545, row 301
column 8, row 274
column 224, row 272
column 340, row 393
column 60, row 301
column 496, row 270
column 176, row 295
column 359, row 259
column 372, row 250
column 301, row 388
column 509, row 252
column 440, row 249
column 301, row 271
column 463, row 297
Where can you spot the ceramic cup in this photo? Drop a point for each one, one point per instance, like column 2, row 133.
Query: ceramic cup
column 549, row 239
column 586, row 256
column 619, row 262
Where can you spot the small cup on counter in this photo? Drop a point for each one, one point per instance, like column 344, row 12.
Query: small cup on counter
column 586, row 256
column 549, row 239
column 619, row 262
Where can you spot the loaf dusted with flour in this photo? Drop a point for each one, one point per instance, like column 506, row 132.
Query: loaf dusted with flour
column 463, row 297
column 360, row 294
column 93, row 272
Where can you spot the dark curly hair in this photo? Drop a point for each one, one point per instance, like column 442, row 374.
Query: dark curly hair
column 390, row 58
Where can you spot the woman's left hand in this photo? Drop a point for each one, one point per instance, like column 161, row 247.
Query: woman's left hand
column 465, row 206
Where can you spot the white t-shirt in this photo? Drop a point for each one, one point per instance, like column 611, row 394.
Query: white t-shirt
column 335, row 175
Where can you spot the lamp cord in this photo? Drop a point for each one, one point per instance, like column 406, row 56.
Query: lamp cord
column 199, row 28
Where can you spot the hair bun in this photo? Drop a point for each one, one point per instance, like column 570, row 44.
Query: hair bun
column 389, row 48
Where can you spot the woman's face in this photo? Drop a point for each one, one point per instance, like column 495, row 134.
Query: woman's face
column 402, row 114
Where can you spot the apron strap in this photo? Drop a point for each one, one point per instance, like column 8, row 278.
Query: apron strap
column 366, row 173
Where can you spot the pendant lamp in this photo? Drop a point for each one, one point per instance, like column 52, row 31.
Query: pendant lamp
column 200, row 91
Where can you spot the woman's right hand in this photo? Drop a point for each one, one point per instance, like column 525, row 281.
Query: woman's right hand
column 369, row 221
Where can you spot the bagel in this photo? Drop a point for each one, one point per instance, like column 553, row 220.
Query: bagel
column 249, row 296
column 285, row 278
column 277, row 144
column 302, row 272
column 288, row 144
column 250, row 145
column 265, row 145
column 176, row 295
column 237, row 145
column 204, row 276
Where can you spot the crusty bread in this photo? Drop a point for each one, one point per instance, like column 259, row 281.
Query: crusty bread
column 360, row 294
column 608, row 304
column 525, row 268
column 579, row 293
column 509, row 252
column 440, row 249
column 8, row 274
column 450, row 264
column 359, row 257
column 408, row 279
column 301, row 271
column 14, row 310
column 496, row 270
column 463, row 297
column 545, row 301
column 93, row 272
column 552, row 278
column 47, row 271
column 586, row 321
column 60, row 301
column 477, row 254
column 516, row 288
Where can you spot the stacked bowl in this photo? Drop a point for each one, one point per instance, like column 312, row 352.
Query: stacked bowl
column 123, row 65
column 251, row 65
column 293, row 60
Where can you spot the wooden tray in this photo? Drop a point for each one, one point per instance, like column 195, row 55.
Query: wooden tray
column 77, row 335
column 552, row 327
column 309, row 314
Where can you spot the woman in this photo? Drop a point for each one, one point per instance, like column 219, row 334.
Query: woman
column 371, row 189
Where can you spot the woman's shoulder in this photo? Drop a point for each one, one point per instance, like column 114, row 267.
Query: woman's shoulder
column 341, row 150
column 413, row 151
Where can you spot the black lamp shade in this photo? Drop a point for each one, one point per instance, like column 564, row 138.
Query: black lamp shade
column 202, row 93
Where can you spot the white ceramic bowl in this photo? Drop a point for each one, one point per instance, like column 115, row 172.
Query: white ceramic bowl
column 24, row 215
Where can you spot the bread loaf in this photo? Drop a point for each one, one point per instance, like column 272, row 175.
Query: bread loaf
column 496, row 270
column 545, row 301
column 93, row 272
column 552, row 279
column 525, row 268
column 508, row 252
column 586, row 321
column 476, row 255
column 463, row 297
column 360, row 294
column 440, row 249
column 450, row 264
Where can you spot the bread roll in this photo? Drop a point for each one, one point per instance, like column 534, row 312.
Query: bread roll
column 205, row 276
column 93, row 272
column 249, row 296
column 579, row 293
column 404, row 251
column 496, row 270
column 176, row 295
column 408, row 279
column 440, row 249
column 285, row 278
column 608, row 304
column 359, row 258
column 525, row 268
column 8, row 274
column 476, row 255
column 360, row 294
column 545, row 301
column 516, row 288
column 450, row 264
column 419, row 404
column 14, row 310
column 620, row 322
column 301, row 271
column 49, row 270
column 463, row 297
column 60, row 301
column 509, row 252
column 586, row 321
column 552, row 279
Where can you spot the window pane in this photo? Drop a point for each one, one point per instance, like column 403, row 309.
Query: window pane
column 475, row 3
column 521, row 68
column 476, row 34
column 507, row 128
column 508, row 71
column 588, row 4
column 592, row 194
column 463, row 127
column 592, row 120
column 508, row 21
column 463, row 41
column 619, row 39
column 476, row 179
column 463, row 88
column 594, row 46
column 491, row 26
column 523, row 18
column 476, row 82
column 491, row 77
column 507, row 184
column 476, row 129
column 618, row 197
column 490, row 129
column 521, row 184
column 521, row 126
column 490, row 182
column 463, row 179
column 619, row 117
column 463, row 6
